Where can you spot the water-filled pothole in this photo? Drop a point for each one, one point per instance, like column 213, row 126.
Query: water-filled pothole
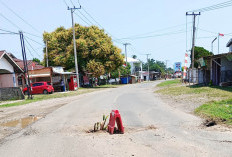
column 20, row 123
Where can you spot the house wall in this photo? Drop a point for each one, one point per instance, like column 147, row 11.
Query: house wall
column 4, row 64
column 8, row 80
column 230, row 48
column 225, row 64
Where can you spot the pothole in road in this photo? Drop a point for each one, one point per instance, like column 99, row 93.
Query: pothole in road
column 21, row 123
column 209, row 123
column 127, row 130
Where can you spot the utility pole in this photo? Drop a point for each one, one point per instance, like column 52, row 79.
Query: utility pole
column 193, row 40
column 166, row 68
column 148, row 66
column 125, row 44
column 218, row 42
column 212, row 43
column 74, row 44
column 26, row 74
column 47, row 52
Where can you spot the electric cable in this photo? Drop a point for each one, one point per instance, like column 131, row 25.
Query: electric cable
column 19, row 17
column 34, row 41
column 32, row 48
column 214, row 7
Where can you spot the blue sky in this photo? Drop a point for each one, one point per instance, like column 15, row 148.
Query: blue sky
column 121, row 19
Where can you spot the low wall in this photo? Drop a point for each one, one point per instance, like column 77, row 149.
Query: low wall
column 11, row 93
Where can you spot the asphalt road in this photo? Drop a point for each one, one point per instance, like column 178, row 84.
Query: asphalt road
column 152, row 128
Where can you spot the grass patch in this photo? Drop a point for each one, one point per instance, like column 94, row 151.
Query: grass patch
column 169, row 83
column 220, row 111
column 217, row 101
column 109, row 86
column 219, row 93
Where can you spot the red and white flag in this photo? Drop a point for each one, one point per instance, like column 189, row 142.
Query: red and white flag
column 220, row 34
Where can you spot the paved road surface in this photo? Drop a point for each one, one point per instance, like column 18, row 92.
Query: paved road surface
column 63, row 132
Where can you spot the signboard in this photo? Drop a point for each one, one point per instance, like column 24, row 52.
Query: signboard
column 177, row 67
column 57, row 69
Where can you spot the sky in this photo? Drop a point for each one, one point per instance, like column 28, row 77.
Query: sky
column 151, row 26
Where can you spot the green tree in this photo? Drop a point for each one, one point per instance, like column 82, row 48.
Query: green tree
column 95, row 50
column 122, row 71
column 134, row 56
column 36, row 60
column 198, row 53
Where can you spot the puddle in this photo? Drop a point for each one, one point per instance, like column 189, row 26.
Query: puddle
column 21, row 123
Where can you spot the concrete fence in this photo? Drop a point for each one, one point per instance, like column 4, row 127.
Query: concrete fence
column 11, row 93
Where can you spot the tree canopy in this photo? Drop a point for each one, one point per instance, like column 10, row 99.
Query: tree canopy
column 198, row 53
column 95, row 50
column 154, row 65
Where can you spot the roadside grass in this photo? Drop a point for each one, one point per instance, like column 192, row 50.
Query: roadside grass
column 219, row 93
column 217, row 101
column 110, row 86
column 220, row 111
column 169, row 83
column 41, row 97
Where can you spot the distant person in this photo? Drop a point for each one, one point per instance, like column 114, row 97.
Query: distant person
column 62, row 85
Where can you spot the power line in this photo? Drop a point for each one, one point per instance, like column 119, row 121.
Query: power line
column 65, row 3
column 72, row 2
column 158, row 30
column 157, row 35
column 82, row 19
column 32, row 48
column 214, row 7
column 10, row 21
column 19, row 17
column 8, row 31
column 34, row 41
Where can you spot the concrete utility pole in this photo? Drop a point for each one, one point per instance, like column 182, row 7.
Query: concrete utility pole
column 218, row 42
column 74, row 45
column 212, row 43
column 148, row 66
column 125, row 44
column 26, row 74
column 166, row 68
column 193, row 41
column 47, row 52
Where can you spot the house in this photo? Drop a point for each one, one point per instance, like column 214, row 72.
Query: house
column 54, row 75
column 9, row 71
column 136, row 65
column 229, row 44
column 216, row 69
column 9, row 82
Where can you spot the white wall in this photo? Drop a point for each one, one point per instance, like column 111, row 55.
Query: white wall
column 4, row 64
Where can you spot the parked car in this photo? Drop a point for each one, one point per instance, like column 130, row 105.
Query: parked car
column 40, row 88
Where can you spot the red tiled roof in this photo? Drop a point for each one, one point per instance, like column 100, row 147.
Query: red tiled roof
column 1, row 53
column 30, row 65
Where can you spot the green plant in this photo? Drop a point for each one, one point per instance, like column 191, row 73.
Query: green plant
column 101, row 125
column 210, row 83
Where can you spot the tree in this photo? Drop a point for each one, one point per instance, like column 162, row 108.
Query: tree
column 95, row 50
column 154, row 65
column 198, row 53
column 122, row 71
column 134, row 56
column 36, row 60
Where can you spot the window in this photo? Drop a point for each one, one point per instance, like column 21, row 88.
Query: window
column 20, row 81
